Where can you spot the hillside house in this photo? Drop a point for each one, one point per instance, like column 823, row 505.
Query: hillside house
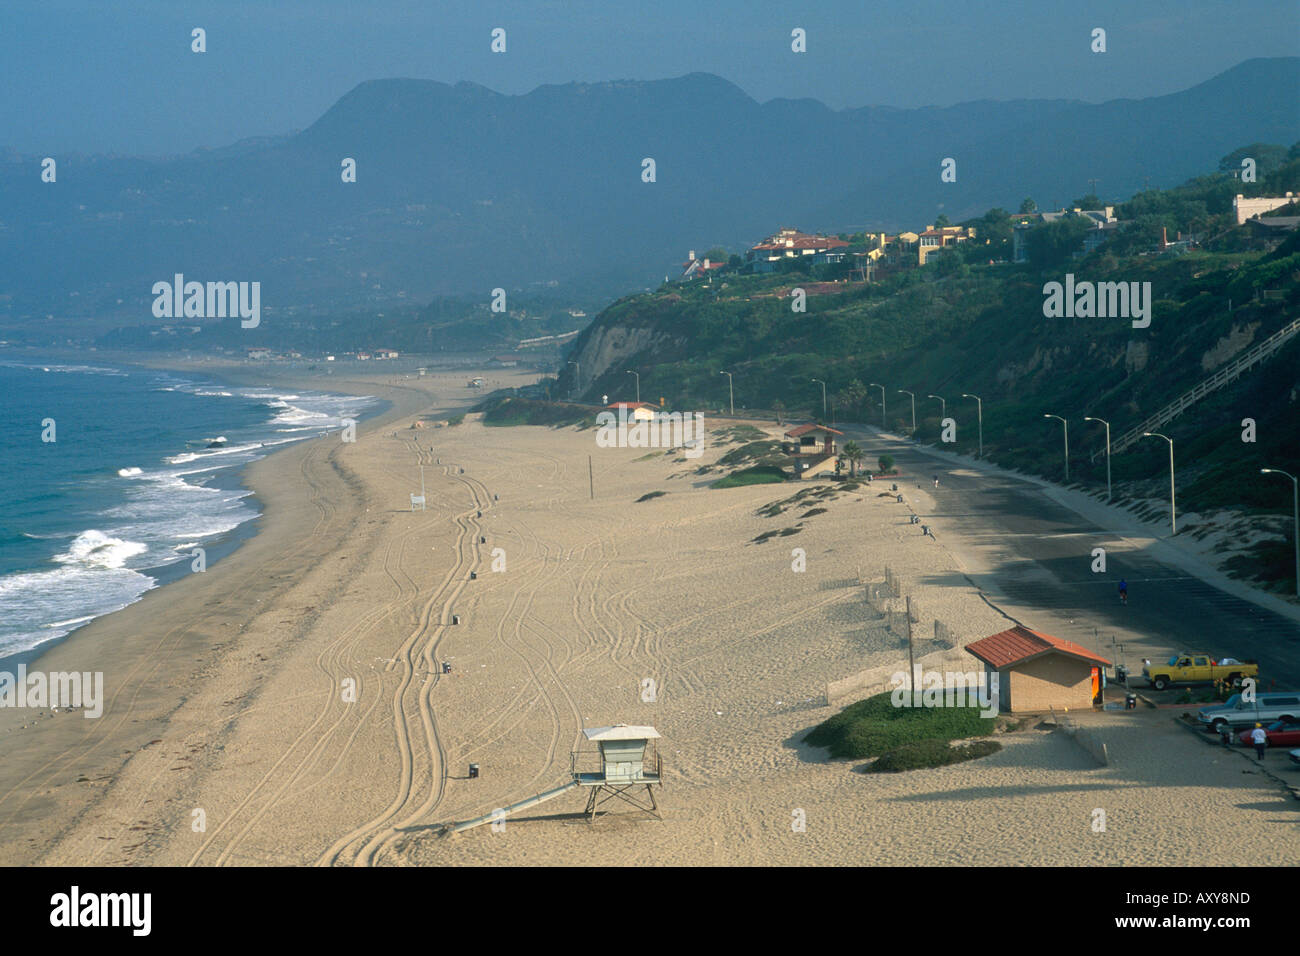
column 385, row 353
column 1102, row 221
column 694, row 268
column 813, row 449
column 788, row 244
column 1245, row 208
column 931, row 240
column 1038, row 672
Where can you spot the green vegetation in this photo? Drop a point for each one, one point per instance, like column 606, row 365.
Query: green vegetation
column 456, row 419
column 874, row 726
column 886, row 463
column 763, row 452
column 756, row 475
column 783, row 533
column 506, row 411
column 652, row 494
column 963, row 325
column 930, row 753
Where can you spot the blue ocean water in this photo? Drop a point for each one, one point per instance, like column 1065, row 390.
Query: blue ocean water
column 145, row 467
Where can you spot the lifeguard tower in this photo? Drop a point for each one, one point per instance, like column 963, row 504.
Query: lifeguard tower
column 623, row 763
column 623, row 766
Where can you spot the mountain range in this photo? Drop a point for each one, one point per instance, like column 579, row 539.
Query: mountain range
column 460, row 190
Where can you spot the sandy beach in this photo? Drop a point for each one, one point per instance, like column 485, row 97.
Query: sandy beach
column 288, row 705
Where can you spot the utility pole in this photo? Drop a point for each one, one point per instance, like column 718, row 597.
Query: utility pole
column 1093, row 183
column 1173, row 518
column 731, row 392
column 1089, row 418
column 638, row 384
column 577, row 375
column 591, row 480
column 979, row 407
column 823, row 385
column 1295, row 505
column 943, row 406
column 882, row 402
column 1067, row 442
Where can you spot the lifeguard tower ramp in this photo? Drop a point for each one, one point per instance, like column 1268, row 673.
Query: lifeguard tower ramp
column 618, row 768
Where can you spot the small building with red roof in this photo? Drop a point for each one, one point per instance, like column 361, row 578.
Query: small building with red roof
column 633, row 411
column 813, row 449
column 1038, row 672
column 789, row 244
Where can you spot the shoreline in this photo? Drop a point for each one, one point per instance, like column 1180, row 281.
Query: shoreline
column 148, row 675
column 223, row 546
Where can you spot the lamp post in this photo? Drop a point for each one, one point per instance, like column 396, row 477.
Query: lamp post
column 1089, row 418
column 943, row 406
column 903, row 391
column 1173, row 516
column 731, row 393
column 1067, row 442
column 638, row 384
column 823, row 385
column 882, row 402
column 577, row 374
column 1295, row 505
column 979, row 408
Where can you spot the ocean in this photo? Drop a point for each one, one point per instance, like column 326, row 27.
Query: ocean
column 145, row 467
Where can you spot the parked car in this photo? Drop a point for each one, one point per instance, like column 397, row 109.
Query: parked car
column 1268, row 706
column 1280, row 733
column 1197, row 669
column 1295, row 756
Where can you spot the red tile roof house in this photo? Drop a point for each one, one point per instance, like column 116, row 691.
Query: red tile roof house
column 788, row 244
column 1038, row 672
column 813, row 450
column 693, row 268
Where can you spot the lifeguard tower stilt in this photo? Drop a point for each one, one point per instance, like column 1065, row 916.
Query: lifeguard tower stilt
column 622, row 768
column 623, row 763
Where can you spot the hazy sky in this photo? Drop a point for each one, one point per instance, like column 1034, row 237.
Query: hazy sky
column 99, row 75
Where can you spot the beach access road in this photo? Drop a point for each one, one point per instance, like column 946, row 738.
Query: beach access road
column 1024, row 544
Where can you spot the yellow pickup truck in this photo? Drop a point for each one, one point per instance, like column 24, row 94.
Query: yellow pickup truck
column 1197, row 669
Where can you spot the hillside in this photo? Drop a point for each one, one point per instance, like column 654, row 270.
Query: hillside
column 960, row 325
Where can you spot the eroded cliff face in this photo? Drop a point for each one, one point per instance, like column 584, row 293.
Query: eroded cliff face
column 1240, row 337
column 608, row 347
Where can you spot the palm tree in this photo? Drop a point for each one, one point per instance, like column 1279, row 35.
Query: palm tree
column 853, row 452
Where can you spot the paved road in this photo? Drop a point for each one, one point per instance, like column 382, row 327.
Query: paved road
column 1037, row 554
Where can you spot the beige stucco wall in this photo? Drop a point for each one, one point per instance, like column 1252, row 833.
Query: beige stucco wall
column 1050, row 681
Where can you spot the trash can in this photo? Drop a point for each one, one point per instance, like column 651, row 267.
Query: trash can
column 455, row 619
column 473, row 771
column 446, row 667
column 473, row 575
column 1130, row 701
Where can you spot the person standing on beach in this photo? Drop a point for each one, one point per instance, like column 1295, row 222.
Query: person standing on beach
column 1260, row 740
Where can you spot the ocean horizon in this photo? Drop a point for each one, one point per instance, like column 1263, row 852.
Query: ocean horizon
column 146, row 466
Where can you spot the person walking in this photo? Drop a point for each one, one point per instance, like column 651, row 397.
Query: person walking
column 1260, row 740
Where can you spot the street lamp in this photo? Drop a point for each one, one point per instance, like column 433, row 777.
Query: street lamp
column 1173, row 519
column 882, row 402
column 943, row 406
column 577, row 374
column 1089, row 418
column 731, row 392
column 823, row 385
column 1295, row 504
column 903, row 391
column 979, row 408
column 1067, row 442
column 638, row 384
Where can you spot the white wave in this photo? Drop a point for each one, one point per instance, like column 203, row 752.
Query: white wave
column 130, row 472
column 93, row 548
